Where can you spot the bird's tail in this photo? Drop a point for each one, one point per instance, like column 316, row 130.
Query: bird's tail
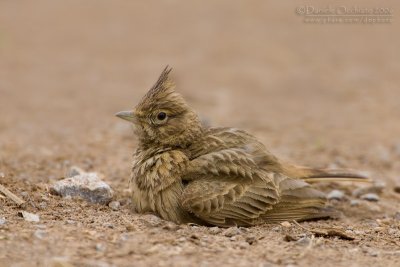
column 312, row 175
column 298, row 201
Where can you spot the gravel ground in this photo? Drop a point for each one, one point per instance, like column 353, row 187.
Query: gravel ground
column 315, row 94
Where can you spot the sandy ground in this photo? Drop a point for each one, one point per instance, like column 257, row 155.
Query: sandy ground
column 320, row 95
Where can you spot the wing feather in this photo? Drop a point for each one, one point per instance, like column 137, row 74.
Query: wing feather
column 227, row 200
column 233, row 180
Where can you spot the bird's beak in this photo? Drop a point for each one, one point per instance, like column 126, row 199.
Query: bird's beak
column 126, row 115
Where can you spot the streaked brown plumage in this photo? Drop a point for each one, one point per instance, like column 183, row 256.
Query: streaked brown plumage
column 185, row 172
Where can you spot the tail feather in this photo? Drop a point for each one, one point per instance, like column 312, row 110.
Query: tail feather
column 298, row 201
column 301, row 214
column 312, row 175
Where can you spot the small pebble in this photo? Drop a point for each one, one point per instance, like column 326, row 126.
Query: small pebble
column 234, row 238
column 131, row 227
column 384, row 221
column 358, row 232
column 215, row 230
column 42, row 205
column 286, row 224
column 354, row 202
column 2, row 220
column 370, row 197
column 354, row 250
column 194, row 236
column 276, row 228
column 376, row 188
column 304, row 241
column 125, row 201
column 393, row 232
column 182, row 239
column 171, row 226
column 372, row 224
column 124, row 237
column 40, row 234
column 151, row 220
column 114, row 205
column 336, row 194
column 88, row 186
column 243, row 245
column 232, row 231
column 108, row 225
column 29, row 217
column 349, row 232
column 244, row 229
column 373, row 253
column 379, row 229
column 290, row 238
column 251, row 239
column 101, row 247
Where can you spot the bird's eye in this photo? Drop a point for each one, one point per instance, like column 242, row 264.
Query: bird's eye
column 161, row 116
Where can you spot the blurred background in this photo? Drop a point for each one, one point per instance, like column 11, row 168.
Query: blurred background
column 314, row 93
column 318, row 93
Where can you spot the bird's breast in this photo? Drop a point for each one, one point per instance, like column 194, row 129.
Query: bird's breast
column 143, row 200
column 156, row 183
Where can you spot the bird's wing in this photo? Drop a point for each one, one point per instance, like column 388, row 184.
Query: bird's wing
column 233, row 180
column 233, row 162
column 227, row 201
column 228, row 188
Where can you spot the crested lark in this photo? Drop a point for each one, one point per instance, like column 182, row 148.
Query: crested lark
column 185, row 172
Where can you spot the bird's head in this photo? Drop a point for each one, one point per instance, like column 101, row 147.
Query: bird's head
column 162, row 118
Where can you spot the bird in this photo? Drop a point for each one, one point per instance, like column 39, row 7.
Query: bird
column 185, row 172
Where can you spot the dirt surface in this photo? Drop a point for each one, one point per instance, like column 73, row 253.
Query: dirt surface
column 315, row 94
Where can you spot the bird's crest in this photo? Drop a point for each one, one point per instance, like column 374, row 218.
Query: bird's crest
column 163, row 95
column 163, row 83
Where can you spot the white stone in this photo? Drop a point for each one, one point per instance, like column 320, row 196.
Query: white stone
column 232, row 231
column 370, row 197
column 336, row 194
column 114, row 205
column 87, row 186
column 30, row 217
